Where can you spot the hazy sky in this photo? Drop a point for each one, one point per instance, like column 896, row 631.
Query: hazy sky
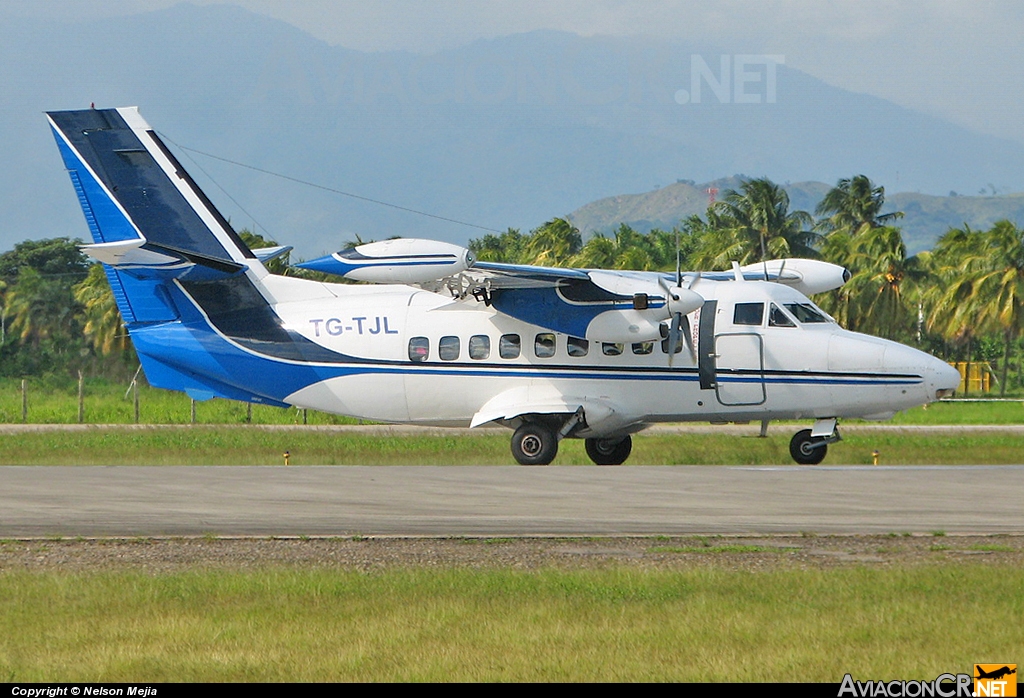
column 956, row 59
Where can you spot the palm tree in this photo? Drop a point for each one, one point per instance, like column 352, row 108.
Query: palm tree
column 980, row 289
column 854, row 206
column 508, row 247
column 755, row 224
column 554, row 243
column 103, row 324
column 887, row 281
column 42, row 309
column 629, row 249
column 983, row 285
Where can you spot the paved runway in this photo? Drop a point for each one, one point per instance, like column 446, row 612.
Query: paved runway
column 506, row 500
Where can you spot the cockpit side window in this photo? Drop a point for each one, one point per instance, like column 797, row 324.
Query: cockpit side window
column 748, row 314
column 777, row 318
column 805, row 312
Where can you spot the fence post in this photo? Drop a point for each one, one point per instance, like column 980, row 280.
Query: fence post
column 24, row 400
column 135, row 389
column 193, row 411
column 81, row 398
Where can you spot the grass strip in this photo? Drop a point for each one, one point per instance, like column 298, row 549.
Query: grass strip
column 206, row 445
column 617, row 624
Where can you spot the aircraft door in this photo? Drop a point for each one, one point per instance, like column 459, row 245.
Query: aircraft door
column 740, row 368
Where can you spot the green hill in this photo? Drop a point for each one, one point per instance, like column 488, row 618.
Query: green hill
column 925, row 219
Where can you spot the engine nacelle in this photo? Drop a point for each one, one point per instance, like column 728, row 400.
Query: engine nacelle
column 808, row 276
column 399, row 261
column 625, row 326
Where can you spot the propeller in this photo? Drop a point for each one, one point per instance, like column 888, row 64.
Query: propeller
column 680, row 301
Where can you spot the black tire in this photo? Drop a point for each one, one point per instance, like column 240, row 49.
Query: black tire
column 534, row 444
column 609, row 451
column 803, row 450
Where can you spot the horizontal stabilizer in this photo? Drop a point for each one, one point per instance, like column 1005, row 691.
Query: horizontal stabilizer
column 266, row 254
column 125, row 254
column 145, row 260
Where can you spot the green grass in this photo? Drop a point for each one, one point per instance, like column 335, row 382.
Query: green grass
column 55, row 401
column 963, row 413
column 702, row 624
column 241, row 445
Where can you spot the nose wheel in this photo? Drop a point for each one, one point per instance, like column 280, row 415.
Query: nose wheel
column 809, row 446
column 807, row 450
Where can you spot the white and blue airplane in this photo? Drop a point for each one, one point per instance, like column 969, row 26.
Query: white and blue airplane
column 437, row 338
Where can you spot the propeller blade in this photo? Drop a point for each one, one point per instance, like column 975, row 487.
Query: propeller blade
column 674, row 336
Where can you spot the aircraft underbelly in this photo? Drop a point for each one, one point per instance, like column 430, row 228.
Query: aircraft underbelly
column 374, row 396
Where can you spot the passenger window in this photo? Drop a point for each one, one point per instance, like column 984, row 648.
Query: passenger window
column 611, row 349
column 577, row 347
column 544, row 345
column 748, row 314
column 509, row 346
column 777, row 318
column 643, row 348
column 419, row 349
column 479, row 347
column 448, row 348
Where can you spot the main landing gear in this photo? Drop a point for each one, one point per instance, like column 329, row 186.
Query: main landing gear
column 536, row 442
column 609, row 451
column 809, row 446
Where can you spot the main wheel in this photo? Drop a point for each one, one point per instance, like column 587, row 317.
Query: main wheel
column 609, row 451
column 804, row 450
column 534, row 444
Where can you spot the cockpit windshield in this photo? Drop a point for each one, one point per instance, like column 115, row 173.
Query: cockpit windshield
column 805, row 312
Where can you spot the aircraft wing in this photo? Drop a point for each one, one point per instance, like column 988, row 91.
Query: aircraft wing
column 597, row 304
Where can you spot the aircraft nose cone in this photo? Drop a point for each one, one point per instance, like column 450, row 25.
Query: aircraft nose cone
column 944, row 379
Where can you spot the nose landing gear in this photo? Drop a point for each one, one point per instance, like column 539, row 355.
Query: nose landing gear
column 809, row 446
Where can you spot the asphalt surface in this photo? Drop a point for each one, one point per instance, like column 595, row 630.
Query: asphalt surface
column 40, row 501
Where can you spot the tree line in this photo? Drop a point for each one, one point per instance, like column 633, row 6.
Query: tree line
column 962, row 300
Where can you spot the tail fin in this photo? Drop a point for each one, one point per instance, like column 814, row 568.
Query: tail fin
column 187, row 286
column 148, row 218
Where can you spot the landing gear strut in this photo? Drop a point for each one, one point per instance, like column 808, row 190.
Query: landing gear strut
column 809, row 446
column 609, row 451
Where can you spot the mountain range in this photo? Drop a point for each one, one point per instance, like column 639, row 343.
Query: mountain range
column 499, row 133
